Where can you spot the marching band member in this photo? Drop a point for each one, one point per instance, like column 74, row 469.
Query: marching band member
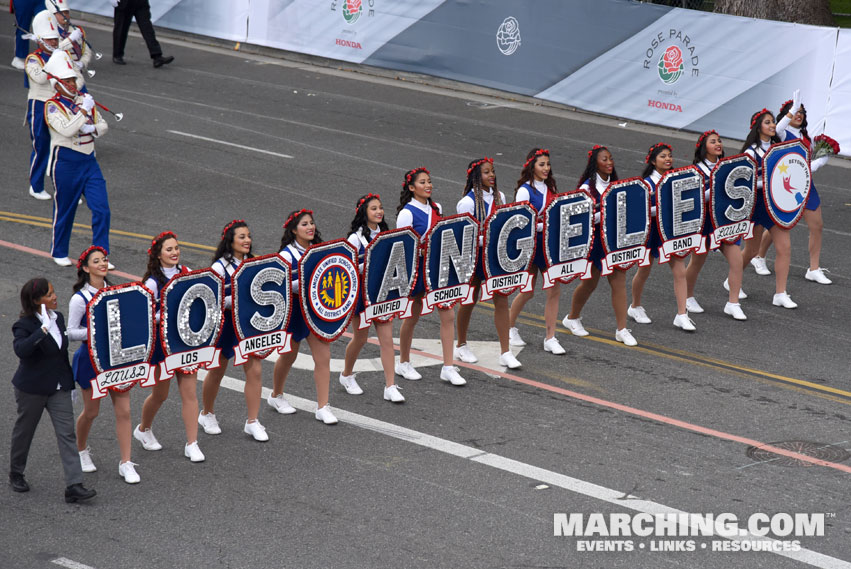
column 73, row 37
column 92, row 268
column 417, row 210
column 598, row 174
column 234, row 247
column 480, row 195
column 762, row 135
column 163, row 264
column 537, row 186
column 659, row 160
column 792, row 125
column 369, row 222
column 300, row 232
column 708, row 151
column 24, row 13
column 74, row 124
column 45, row 30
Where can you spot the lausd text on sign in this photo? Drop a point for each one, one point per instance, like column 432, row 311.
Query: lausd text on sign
column 568, row 237
column 389, row 275
column 625, row 224
column 191, row 320
column 328, row 287
column 786, row 182
column 262, row 303
column 680, row 211
column 450, row 262
column 121, row 337
column 732, row 198
column 508, row 249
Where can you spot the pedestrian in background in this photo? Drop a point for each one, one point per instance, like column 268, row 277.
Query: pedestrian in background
column 25, row 11
column 125, row 11
column 42, row 381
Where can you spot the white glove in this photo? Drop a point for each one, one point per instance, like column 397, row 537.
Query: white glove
column 228, row 302
column 653, row 211
column 707, row 194
column 114, row 3
column 87, row 129
column 79, row 64
column 759, row 184
column 88, row 102
column 597, row 218
column 295, row 287
column 818, row 163
column 796, row 102
column 43, row 316
column 539, row 227
column 76, row 35
column 481, row 240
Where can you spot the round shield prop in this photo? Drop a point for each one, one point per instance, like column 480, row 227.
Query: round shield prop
column 450, row 262
column 329, row 287
column 508, row 250
column 786, row 182
column 191, row 319
column 389, row 275
column 625, row 224
column 121, row 337
column 732, row 186
column 262, row 302
column 568, row 237
column 680, row 212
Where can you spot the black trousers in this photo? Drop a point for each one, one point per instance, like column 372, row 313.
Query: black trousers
column 30, row 409
column 124, row 14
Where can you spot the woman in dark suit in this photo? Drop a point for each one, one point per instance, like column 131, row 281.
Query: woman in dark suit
column 44, row 381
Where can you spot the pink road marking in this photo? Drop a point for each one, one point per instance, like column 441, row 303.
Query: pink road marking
column 561, row 391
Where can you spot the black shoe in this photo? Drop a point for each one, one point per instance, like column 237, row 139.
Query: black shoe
column 119, row 61
column 78, row 493
column 159, row 60
column 18, row 483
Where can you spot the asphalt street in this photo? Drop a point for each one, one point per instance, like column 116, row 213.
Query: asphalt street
column 455, row 477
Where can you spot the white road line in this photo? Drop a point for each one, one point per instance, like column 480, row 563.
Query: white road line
column 260, row 150
column 589, row 489
column 65, row 562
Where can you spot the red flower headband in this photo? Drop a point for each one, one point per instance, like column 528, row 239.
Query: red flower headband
column 596, row 147
column 413, row 173
column 296, row 215
column 161, row 237
column 230, row 225
column 654, row 148
column 85, row 255
column 703, row 136
column 478, row 163
column 757, row 115
column 363, row 200
column 541, row 152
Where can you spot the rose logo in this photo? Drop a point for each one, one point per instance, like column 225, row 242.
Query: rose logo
column 352, row 10
column 508, row 36
column 671, row 65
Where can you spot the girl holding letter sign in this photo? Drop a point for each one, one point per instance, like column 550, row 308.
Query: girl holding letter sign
column 762, row 135
column 233, row 248
column 300, row 232
column 659, row 160
column 369, row 222
column 537, row 186
column 417, row 210
column 598, row 174
column 479, row 198
column 92, row 268
column 708, row 151
column 163, row 264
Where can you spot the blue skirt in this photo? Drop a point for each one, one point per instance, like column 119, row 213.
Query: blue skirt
column 297, row 326
column 227, row 339
column 813, row 200
column 760, row 213
column 81, row 365
column 540, row 260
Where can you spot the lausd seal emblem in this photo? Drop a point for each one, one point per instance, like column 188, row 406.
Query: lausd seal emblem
column 508, row 36
column 352, row 10
column 671, row 65
column 333, row 282
column 328, row 287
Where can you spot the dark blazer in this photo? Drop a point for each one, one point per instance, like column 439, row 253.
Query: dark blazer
column 42, row 365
